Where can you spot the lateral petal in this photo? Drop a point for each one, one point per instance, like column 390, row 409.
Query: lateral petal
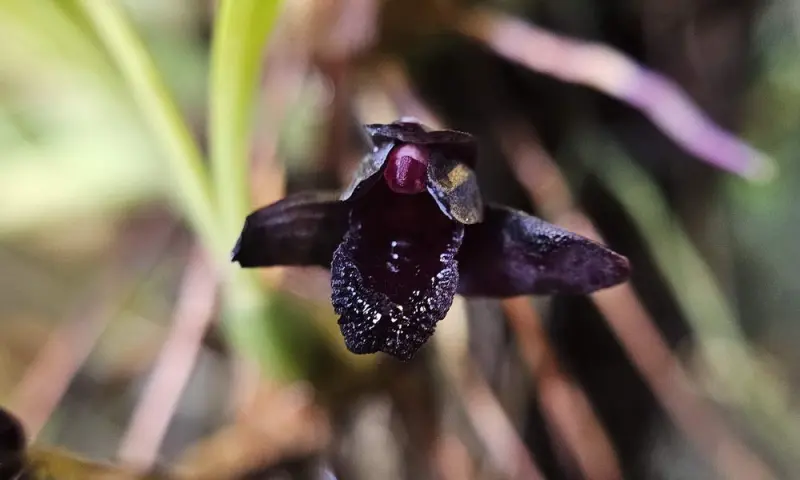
column 512, row 253
column 302, row 229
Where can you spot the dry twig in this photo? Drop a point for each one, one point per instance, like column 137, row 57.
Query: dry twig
column 484, row 413
column 630, row 322
column 567, row 409
column 193, row 314
column 47, row 379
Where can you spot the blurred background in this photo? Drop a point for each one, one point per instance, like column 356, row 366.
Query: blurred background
column 137, row 134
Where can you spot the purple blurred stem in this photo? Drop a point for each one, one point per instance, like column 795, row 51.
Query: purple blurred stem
column 614, row 74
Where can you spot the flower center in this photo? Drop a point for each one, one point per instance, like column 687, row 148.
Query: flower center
column 407, row 169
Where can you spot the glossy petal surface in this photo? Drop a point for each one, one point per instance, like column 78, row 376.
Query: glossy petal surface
column 368, row 172
column 512, row 253
column 395, row 274
column 451, row 142
column 302, row 229
column 454, row 186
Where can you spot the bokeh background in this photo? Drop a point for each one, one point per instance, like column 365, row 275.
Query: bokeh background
column 136, row 134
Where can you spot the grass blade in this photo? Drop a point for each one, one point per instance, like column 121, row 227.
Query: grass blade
column 241, row 30
column 161, row 112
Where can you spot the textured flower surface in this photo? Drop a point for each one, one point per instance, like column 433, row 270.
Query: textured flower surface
column 412, row 231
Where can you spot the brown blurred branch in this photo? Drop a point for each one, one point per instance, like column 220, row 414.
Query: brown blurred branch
column 566, row 407
column 453, row 460
column 276, row 422
column 499, row 435
column 484, row 414
column 628, row 319
column 736, row 372
column 414, row 398
column 613, row 73
column 193, row 313
column 47, row 379
column 341, row 29
column 286, row 65
column 398, row 89
column 341, row 35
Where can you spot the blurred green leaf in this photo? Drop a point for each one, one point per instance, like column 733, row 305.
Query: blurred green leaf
column 253, row 318
column 237, row 50
column 49, row 187
column 71, row 148
column 45, row 33
column 137, row 68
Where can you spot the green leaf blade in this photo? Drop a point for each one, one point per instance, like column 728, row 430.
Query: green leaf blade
column 241, row 31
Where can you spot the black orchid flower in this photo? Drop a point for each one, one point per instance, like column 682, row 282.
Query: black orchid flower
column 12, row 445
column 410, row 232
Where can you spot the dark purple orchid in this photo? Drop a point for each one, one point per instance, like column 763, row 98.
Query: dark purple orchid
column 12, row 445
column 410, row 232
